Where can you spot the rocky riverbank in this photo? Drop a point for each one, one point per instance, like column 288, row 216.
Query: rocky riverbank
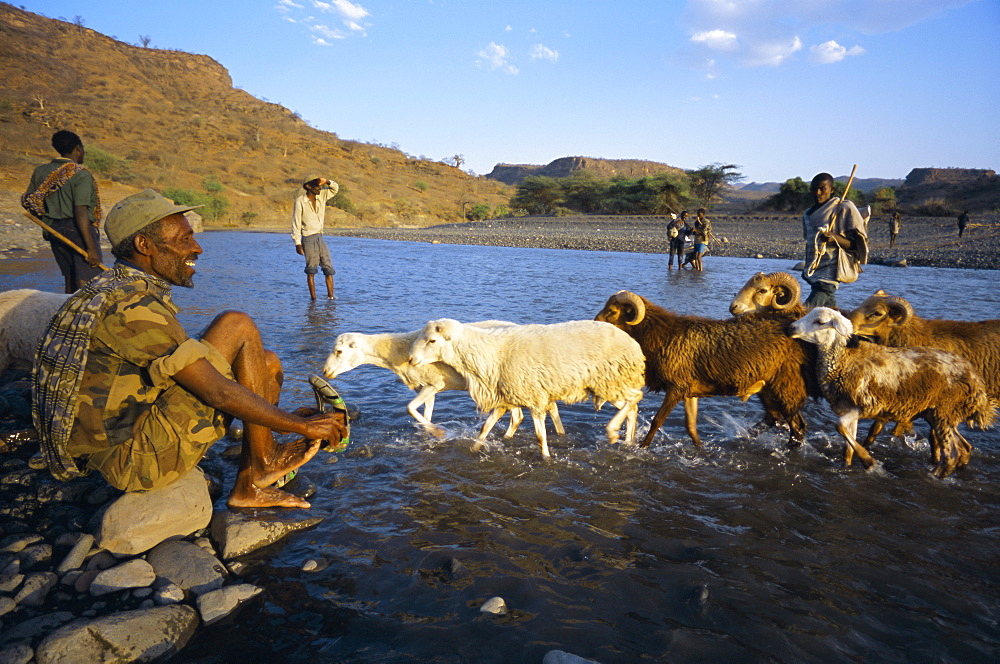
column 924, row 241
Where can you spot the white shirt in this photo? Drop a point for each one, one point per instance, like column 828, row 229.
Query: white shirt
column 308, row 216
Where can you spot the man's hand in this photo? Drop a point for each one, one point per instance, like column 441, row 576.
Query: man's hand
column 93, row 260
column 299, row 250
column 326, row 426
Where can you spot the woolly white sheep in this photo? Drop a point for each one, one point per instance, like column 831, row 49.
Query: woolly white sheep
column 860, row 379
column 24, row 315
column 533, row 366
column 391, row 351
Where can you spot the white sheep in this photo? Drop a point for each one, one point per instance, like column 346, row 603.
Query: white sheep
column 864, row 380
column 533, row 366
column 24, row 316
column 391, row 351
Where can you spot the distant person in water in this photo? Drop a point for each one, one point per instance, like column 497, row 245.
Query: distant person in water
column 308, row 215
column 963, row 221
column 702, row 235
column 893, row 228
column 830, row 223
column 64, row 195
column 119, row 387
column 677, row 233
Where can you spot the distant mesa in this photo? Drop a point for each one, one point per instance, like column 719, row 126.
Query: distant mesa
column 514, row 174
column 955, row 176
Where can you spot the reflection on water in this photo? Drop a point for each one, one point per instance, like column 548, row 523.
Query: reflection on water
column 737, row 552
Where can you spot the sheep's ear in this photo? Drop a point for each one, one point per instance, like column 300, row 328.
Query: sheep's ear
column 843, row 325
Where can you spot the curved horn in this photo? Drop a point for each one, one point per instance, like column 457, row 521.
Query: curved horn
column 899, row 308
column 787, row 290
column 628, row 297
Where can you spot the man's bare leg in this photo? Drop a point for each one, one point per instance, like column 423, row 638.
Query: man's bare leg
column 329, row 287
column 263, row 461
column 311, row 280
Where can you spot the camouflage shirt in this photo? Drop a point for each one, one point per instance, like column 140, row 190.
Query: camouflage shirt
column 106, row 358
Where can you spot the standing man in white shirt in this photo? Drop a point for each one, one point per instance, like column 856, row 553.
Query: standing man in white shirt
column 307, row 230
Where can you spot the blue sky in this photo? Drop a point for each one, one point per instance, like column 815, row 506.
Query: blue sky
column 782, row 88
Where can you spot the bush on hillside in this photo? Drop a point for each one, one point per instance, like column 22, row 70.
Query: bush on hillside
column 214, row 205
column 106, row 164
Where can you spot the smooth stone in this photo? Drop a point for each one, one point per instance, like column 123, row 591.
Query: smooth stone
column 34, row 555
column 36, row 587
column 168, row 594
column 136, row 573
column 11, row 577
column 495, row 605
column 77, row 555
column 69, row 578
column 20, row 653
column 145, row 635
column 18, row 542
column 137, row 522
column 239, row 533
column 216, row 605
column 187, row 566
column 34, row 627
column 82, row 583
column 101, row 560
column 7, row 605
column 560, row 657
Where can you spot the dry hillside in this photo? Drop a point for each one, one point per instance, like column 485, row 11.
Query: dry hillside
column 176, row 120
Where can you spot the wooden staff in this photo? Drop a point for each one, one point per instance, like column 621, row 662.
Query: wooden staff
column 62, row 238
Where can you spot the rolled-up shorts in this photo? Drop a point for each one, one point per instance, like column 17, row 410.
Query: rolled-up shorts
column 170, row 438
column 700, row 247
column 317, row 254
column 70, row 262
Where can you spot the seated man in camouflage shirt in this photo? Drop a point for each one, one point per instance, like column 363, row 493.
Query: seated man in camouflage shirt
column 121, row 387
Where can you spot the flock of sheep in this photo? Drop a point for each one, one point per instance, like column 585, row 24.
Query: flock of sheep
column 880, row 362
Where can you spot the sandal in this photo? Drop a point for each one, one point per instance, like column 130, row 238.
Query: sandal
column 327, row 399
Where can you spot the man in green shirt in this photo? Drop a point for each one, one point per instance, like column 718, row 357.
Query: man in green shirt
column 72, row 208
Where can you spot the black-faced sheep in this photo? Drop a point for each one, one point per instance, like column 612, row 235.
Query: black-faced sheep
column 691, row 356
column 533, row 366
column 24, row 315
column 867, row 380
column 392, row 351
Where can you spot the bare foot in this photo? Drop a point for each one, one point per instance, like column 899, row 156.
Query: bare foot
column 266, row 497
column 289, row 457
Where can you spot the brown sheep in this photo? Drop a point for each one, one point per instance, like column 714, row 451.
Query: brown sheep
column 691, row 356
column 867, row 380
column 890, row 321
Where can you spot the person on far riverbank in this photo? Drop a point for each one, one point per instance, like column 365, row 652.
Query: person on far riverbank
column 963, row 221
column 120, row 387
column 893, row 228
column 308, row 217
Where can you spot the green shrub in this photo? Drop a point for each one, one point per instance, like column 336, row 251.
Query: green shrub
column 212, row 185
column 421, row 186
column 108, row 165
column 935, row 207
column 501, row 211
column 478, row 212
column 215, row 206
column 343, row 201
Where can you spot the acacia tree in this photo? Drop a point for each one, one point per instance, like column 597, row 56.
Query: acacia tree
column 708, row 181
column 537, row 194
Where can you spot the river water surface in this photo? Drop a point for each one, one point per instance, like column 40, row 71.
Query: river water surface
column 737, row 552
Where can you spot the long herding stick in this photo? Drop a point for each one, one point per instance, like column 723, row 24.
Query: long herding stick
column 62, row 238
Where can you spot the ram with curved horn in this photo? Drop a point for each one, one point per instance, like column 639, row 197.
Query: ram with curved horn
column 777, row 292
column 690, row 356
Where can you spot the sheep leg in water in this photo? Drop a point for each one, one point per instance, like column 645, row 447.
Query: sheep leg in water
column 628, row 412
column 670, row 399
column 425, row 397
column 556, row 420
column 691, row 418
column 538, row 419
column 847, row 426
column 516, row 417
column 955, row 450
column 491, row 421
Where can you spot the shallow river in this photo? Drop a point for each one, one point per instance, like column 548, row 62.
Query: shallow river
column 737, row 552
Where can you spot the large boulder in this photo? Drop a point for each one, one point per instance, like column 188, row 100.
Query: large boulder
column 137, row 522
column 146, row 635
column 238, row 533
column 187, row 566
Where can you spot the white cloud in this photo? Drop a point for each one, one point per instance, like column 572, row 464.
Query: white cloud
column 772, row 54
column 287, row 5
column 321, row 33
column 717, row 40
column 542, row 52
column 830, row 52
column 508, row 29
column 759, row 33
column 350, row 15
column 495, row 55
